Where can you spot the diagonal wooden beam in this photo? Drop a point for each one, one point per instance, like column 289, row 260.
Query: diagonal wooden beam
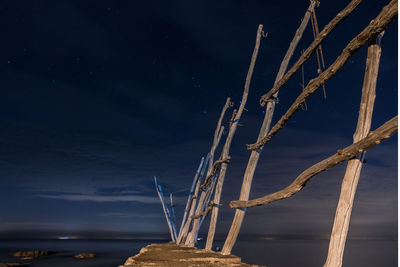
column 376, row 26
column 308, row 52
column 374, row 138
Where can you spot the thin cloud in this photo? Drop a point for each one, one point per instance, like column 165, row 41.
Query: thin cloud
column 97, row 198
column 124, row 215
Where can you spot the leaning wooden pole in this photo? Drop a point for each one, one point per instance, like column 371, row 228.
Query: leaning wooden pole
column 190, row 199
column 191, row 238
column 206, row 206
column 352, row 174
column 252, row 164
column 375, row 27
column 225, row 151
column 167, row 214
column 219, row 130
column 193, row 202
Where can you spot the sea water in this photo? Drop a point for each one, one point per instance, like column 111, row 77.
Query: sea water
column 272, row 253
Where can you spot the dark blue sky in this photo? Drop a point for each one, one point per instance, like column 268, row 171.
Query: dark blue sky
column 97, row 97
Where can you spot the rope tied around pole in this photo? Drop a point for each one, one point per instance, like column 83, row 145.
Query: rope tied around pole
column 216, row 164
column 274, row 99
column 232, row 120
column 318, row 51
column 207, row 211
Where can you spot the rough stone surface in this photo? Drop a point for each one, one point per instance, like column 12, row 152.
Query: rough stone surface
column 171, row 255
column 85, row 256
column 12, row 264
column 32, row 253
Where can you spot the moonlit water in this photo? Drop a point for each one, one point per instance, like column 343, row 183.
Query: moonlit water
column 272, row 253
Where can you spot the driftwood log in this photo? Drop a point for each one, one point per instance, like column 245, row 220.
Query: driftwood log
column 374, row 138
column 376, row 26
column 308, row 52
column 353, row 170
column 225, row 151
column 253, row 160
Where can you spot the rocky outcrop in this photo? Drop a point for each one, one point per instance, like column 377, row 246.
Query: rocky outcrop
column 85, row 256
column 13, row 264
column 32, row 253
column 171, row 255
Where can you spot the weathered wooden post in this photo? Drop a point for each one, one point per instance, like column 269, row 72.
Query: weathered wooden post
column 352, row 174
column 252, row 164
column 226, row 148
column 190, row 199
column 191, row 239
column 171, row 223
column 185, row 230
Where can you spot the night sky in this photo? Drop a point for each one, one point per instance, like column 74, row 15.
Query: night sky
column 97, row 97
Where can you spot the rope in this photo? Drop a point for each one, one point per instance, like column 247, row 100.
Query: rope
column 318, row 52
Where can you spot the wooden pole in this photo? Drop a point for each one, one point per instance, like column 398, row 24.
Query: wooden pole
column 239, row 112
column 218, row 132
column 189, row 200
column 308, row 52
column 171, row 204
column 206, row 205
column 188, row 222
column 252, row 164
column 352, row 174
column 374, row 138
column 375, row 27
column 190, row 240
column 225, row 151
column 171, row 224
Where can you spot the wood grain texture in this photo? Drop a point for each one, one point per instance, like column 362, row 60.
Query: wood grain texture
column 352, row 175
